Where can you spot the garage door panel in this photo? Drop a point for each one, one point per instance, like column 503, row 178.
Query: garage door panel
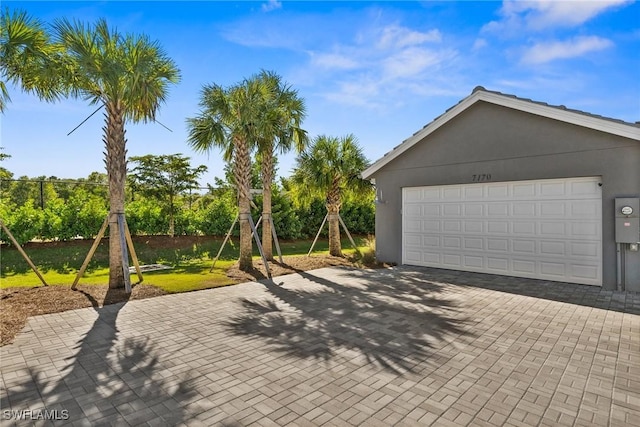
column 585, row 229
column 473, row 209
column 526, row 209
column 498, row 227
column 413, row 225
column 498, row 209
column 413, row 195
column 523, row 228
column 523, row 266
column 473, row 227
column 413, row 240
column 553, row 189
column 473, row 261
column 556, row 228
column 584, row 209
column 585, row 188
column 432, row 258
column 523, row 246
column 452, row 242
column 473, row 193
column 473, row 243
column 500, row 265
column 415, row 210
column 452, row 193
column 523, row 190
column 431, row 210
column 498, row 191
column 550, row 248
column 553, row 269
column 553, row 209
column 452, row 260
column 588, row 272
column 449, row 226
column 452, row 209
column 547, row 229
column 430, row 194
column 412, row 257
column 431, row 225
column 584, row 249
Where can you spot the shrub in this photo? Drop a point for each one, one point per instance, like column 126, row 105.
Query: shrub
column 216, row 217
column 25, row 223
column 146, row 217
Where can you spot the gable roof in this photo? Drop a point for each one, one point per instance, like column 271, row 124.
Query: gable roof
column 480, row 94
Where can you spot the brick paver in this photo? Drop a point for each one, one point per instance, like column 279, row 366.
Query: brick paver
column 337, row 346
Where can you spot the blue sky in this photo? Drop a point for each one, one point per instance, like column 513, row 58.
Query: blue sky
column 379, row 70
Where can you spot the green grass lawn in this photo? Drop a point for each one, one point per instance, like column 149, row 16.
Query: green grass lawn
column 190, row 259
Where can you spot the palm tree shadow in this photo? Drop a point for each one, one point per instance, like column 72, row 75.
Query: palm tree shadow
column 107, row 378
column 394, row 323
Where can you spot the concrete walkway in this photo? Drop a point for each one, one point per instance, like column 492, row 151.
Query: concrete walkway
column 336, row 346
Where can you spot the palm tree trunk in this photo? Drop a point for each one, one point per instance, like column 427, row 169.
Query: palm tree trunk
column 267, row 179
column 333, row 209
column 242, row 170
column 116, row 163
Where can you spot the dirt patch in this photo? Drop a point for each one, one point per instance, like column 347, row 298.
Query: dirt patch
column 18, row 304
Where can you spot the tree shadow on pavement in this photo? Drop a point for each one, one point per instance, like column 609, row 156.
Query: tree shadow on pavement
column 109, row 380
column 395, row 323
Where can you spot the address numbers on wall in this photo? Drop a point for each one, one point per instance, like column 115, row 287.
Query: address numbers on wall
column 481, row 177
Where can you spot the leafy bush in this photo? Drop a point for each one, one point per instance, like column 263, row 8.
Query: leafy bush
column 359, row 217
column 25, row 223
column 146, row 217
column 82, row 210
column 216, row 217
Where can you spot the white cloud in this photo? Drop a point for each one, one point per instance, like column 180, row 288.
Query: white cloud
column 362, row 92
column 394, row 36
column 479, row 44
column 271, row 5
column 578, row 46
column 544, row 14
column 413, row 61
column 383, row 61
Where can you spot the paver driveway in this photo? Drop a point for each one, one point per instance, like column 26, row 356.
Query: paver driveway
column 337, row 346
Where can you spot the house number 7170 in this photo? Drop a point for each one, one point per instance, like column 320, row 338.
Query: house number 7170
column 481, row 177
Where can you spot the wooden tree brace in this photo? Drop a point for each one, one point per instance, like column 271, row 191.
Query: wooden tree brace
column 23, row 253
column 125, row 241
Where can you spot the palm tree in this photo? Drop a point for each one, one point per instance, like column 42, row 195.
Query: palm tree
column 331, row 166
column 129, row 76
column 25, row 51
column 231, row 119
column 285, row 113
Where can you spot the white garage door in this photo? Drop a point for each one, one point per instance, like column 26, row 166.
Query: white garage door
column 543, row 229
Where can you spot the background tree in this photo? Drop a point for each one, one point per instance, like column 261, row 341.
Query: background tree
column 282, row 131
column 165, row 177
column 129, row 76
column 232, row 119
column 331, row 166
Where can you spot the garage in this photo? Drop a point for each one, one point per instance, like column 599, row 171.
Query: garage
column 542, row 229
column 510, row 186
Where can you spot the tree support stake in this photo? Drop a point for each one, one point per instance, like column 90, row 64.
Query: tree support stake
column 23, row 253
column 125, row 241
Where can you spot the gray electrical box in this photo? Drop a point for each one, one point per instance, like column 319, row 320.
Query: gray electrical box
column 628, row 220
